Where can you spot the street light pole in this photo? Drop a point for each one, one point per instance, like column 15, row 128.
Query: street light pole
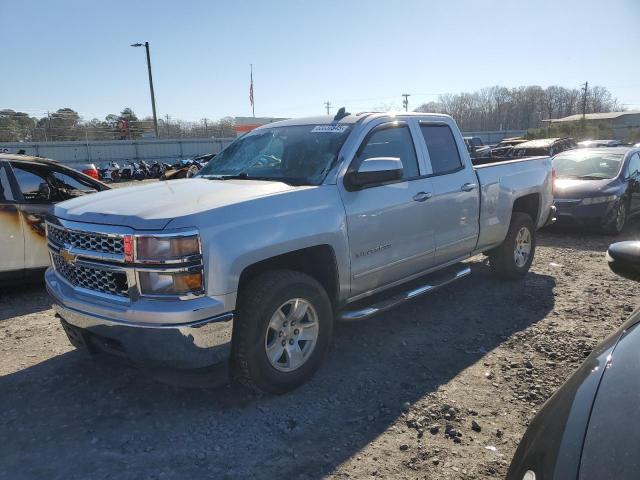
column 153, row 97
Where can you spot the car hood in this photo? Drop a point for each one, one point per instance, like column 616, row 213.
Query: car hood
column 152, row 206
column 577, row 188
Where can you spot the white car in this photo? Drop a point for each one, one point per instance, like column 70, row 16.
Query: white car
column 29, row 187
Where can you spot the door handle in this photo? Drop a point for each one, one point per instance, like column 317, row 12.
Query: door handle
column 467, row 187
column 422, row 196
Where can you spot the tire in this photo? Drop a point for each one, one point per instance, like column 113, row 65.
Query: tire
column 255, row 337
column 617, row 224
column 504, row 261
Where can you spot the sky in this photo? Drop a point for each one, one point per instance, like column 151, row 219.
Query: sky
column 361, row 54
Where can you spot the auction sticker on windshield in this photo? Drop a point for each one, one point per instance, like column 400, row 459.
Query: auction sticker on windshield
column 329, row 128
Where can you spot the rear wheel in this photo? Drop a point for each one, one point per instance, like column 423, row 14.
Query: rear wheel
column 283, row 328
column 513, row 258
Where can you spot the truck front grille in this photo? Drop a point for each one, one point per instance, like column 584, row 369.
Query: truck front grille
column 96, row 279
column 93, row 242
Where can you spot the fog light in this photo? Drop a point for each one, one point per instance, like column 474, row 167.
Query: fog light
column 178, row 283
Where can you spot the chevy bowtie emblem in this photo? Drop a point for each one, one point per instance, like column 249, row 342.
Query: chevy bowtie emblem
column 67, row 256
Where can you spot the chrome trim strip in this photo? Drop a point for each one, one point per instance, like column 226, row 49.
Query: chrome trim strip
column 388, row 303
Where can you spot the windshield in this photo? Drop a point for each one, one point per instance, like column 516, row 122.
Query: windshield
column 301, row 154
column 588, row 166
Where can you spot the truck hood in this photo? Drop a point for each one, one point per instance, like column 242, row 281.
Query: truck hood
column 154, row 205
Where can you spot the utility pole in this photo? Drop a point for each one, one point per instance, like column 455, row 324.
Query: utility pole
column 153, row 97
column 327, row 105
column 405, row 102
column 584, row 100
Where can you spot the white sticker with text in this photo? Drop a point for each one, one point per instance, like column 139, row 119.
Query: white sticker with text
column 329, row 128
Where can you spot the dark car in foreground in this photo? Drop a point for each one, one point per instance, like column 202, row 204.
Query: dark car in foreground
column 597, row 187
column 29, row 188
column 588, row 429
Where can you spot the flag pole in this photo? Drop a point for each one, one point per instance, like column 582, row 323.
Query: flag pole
column 253, row 106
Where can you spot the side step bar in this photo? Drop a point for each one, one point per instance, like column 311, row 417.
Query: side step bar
column 429, row 284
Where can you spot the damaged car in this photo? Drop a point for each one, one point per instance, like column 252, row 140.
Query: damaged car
column 29, row 188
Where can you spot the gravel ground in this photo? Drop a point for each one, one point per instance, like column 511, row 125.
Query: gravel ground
column 442, row 387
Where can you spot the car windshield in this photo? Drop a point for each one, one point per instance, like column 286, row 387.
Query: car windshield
column 300, row 154
column 588, row 166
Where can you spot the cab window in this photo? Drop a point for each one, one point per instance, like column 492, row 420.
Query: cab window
column 443, row 151
column 392, row 141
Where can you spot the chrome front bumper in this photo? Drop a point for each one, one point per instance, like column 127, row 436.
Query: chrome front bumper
column 198, row 337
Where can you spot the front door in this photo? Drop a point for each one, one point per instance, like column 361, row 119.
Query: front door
column 456, row 197
column 390, row 227
column 11, row 235
column 35, row 204
column 633, row 173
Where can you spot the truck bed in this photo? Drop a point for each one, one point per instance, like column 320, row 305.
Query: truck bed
column 499, row 183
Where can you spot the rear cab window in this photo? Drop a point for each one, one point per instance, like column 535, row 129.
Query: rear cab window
column 442, row 148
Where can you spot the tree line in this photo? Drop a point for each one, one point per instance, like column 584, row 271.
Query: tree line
column 65, row 124
column 521, row 108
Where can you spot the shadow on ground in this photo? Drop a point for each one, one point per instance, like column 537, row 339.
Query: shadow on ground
column 22, row 300
column 69, row 417
column 576, row 238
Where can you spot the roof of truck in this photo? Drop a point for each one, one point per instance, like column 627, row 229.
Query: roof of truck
column 350, row 119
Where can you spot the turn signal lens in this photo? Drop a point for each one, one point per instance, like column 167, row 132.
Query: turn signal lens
column 166, row 248
column 180, row 283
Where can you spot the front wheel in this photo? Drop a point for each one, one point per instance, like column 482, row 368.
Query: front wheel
column 513, row 258
column 283, row 329
column 619, row 219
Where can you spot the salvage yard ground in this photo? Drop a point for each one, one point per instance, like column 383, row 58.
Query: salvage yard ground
column 439, row 388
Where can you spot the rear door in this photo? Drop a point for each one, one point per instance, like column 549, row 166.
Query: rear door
column 456, row 198
column 11, row 233
column 390, row 226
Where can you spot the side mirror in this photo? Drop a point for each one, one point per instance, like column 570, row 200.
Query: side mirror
column 624, row 259
column 373, row 171
column 44, row 191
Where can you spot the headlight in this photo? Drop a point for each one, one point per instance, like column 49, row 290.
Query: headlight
column 594, row 200
column 170, row 283
column 167, row 248
column 170, row 264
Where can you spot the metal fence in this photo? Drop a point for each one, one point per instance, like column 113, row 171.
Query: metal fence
column 168, row 150
column 101, row 152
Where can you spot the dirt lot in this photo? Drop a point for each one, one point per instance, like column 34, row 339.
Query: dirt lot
column 478, row 351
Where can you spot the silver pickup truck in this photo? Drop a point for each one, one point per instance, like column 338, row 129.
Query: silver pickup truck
column 293, row 226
